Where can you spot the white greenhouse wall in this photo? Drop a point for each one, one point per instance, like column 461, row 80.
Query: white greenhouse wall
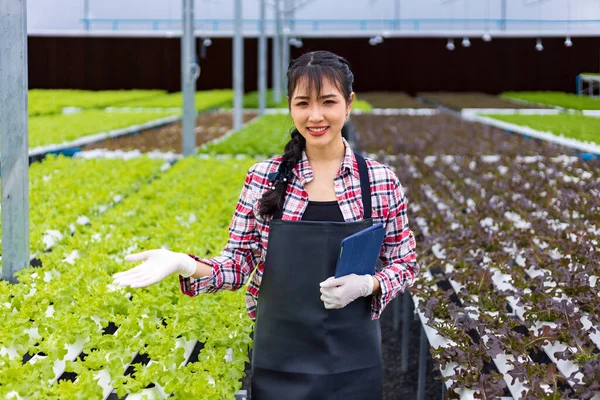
column 66, row 15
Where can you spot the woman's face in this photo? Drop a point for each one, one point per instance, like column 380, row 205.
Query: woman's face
column 319, row 117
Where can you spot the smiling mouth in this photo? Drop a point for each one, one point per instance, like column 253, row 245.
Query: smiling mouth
column 317, row 130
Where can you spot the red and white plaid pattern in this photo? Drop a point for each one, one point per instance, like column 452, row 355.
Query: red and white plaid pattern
column 246, row 248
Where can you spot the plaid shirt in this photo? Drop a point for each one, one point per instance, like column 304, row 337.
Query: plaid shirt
column 246, row 248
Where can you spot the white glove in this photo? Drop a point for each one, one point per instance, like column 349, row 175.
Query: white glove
column 157, row 265
column 338, row 293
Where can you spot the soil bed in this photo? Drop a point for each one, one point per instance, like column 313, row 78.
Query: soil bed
column 167, row 138
column 441, row 134
column 390, row 100
column 458, row 101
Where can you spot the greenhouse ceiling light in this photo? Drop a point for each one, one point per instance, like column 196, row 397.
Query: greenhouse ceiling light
column 538, row 45
column 487, row 37
column 466, row 42
column 375, row 40
column 568, row 42
column 450, row 45
column 296, row 42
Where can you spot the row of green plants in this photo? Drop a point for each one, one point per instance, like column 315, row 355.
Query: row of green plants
column 60, row 128
column 556, row 99
column 575, row 126
column 65, row 193
column 70, row 300
column 221, row 98
column 52, row 101
column 204, row 100
column 56, row 129
column 264, row 137
column 251, row 100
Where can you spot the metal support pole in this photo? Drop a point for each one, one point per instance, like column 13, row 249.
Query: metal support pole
column 277, row 56
column 262, row 61
column 190, row 71
column 86, row 14
column 503, row 16
column 285, row 61
column 14, row 143
column 422, row 365
column 405, row 325
column 396, row 14
column 238, row 70
column 293, row 16
column 285, row 45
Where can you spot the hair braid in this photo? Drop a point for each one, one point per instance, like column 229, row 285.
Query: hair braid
column 273, row 199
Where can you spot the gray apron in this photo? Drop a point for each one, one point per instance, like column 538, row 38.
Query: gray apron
column 302, row 350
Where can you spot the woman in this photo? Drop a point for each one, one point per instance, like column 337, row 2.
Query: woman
column 315, row 337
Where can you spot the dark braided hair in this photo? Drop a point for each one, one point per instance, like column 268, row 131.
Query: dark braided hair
column 314, row 67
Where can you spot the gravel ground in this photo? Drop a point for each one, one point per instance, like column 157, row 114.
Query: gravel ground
column 397, row 385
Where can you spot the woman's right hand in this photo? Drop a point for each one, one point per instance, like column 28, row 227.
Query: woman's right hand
column 157, row 265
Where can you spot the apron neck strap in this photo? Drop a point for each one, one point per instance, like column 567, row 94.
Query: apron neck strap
column 365, row 185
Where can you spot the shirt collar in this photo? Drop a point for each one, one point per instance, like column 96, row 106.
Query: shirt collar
column 304, row 171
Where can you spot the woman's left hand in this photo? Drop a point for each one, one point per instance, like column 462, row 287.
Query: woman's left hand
column 338, row 293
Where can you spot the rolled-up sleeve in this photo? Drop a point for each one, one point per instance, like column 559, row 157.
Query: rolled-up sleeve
column 232, row 268
column 397, row 254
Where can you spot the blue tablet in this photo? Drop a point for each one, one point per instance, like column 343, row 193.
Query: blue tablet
column 360, row 251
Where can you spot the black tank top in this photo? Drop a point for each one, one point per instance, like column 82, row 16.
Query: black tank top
column 323, row 211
